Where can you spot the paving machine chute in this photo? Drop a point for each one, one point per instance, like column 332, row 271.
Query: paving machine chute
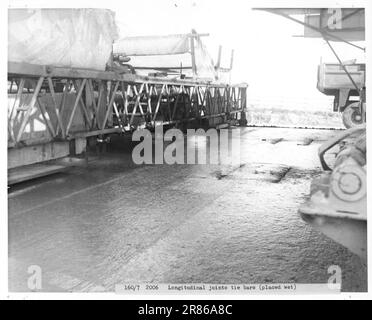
column 338, row 198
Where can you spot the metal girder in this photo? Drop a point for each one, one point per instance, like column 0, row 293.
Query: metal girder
column 28, row 70
column 90, row 106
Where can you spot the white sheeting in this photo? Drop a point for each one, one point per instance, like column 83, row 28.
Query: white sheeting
column 79, row 38
column 166, row 52
column 204, row 62
column 152, row 45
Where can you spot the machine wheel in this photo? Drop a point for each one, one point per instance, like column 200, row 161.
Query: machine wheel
column 351, row 116
column 243, row 120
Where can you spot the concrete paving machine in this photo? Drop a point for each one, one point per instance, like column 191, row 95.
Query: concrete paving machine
column 338, row 202
column 333, row 81
column 338, row 198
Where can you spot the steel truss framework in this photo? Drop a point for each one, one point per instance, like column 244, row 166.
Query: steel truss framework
column 112, row 103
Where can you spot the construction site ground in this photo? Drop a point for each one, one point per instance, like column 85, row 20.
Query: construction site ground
column 114, row 222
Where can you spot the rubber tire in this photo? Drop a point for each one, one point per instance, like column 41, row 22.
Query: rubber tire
column 348, row 115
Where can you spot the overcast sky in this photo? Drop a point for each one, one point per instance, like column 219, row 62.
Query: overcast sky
column 267, row 55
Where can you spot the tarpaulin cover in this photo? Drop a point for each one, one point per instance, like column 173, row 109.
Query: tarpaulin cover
column 152, row 45
column 78, row 38
column 166, row 52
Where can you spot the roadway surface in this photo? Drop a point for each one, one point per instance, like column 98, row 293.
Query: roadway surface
column 114, row 222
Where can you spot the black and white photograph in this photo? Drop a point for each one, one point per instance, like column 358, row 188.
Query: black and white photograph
column 185, row 148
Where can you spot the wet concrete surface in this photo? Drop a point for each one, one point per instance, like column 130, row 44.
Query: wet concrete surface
column 114, row 222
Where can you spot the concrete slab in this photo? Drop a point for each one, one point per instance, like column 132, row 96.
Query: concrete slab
column 33, row 171
column 114, row 222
